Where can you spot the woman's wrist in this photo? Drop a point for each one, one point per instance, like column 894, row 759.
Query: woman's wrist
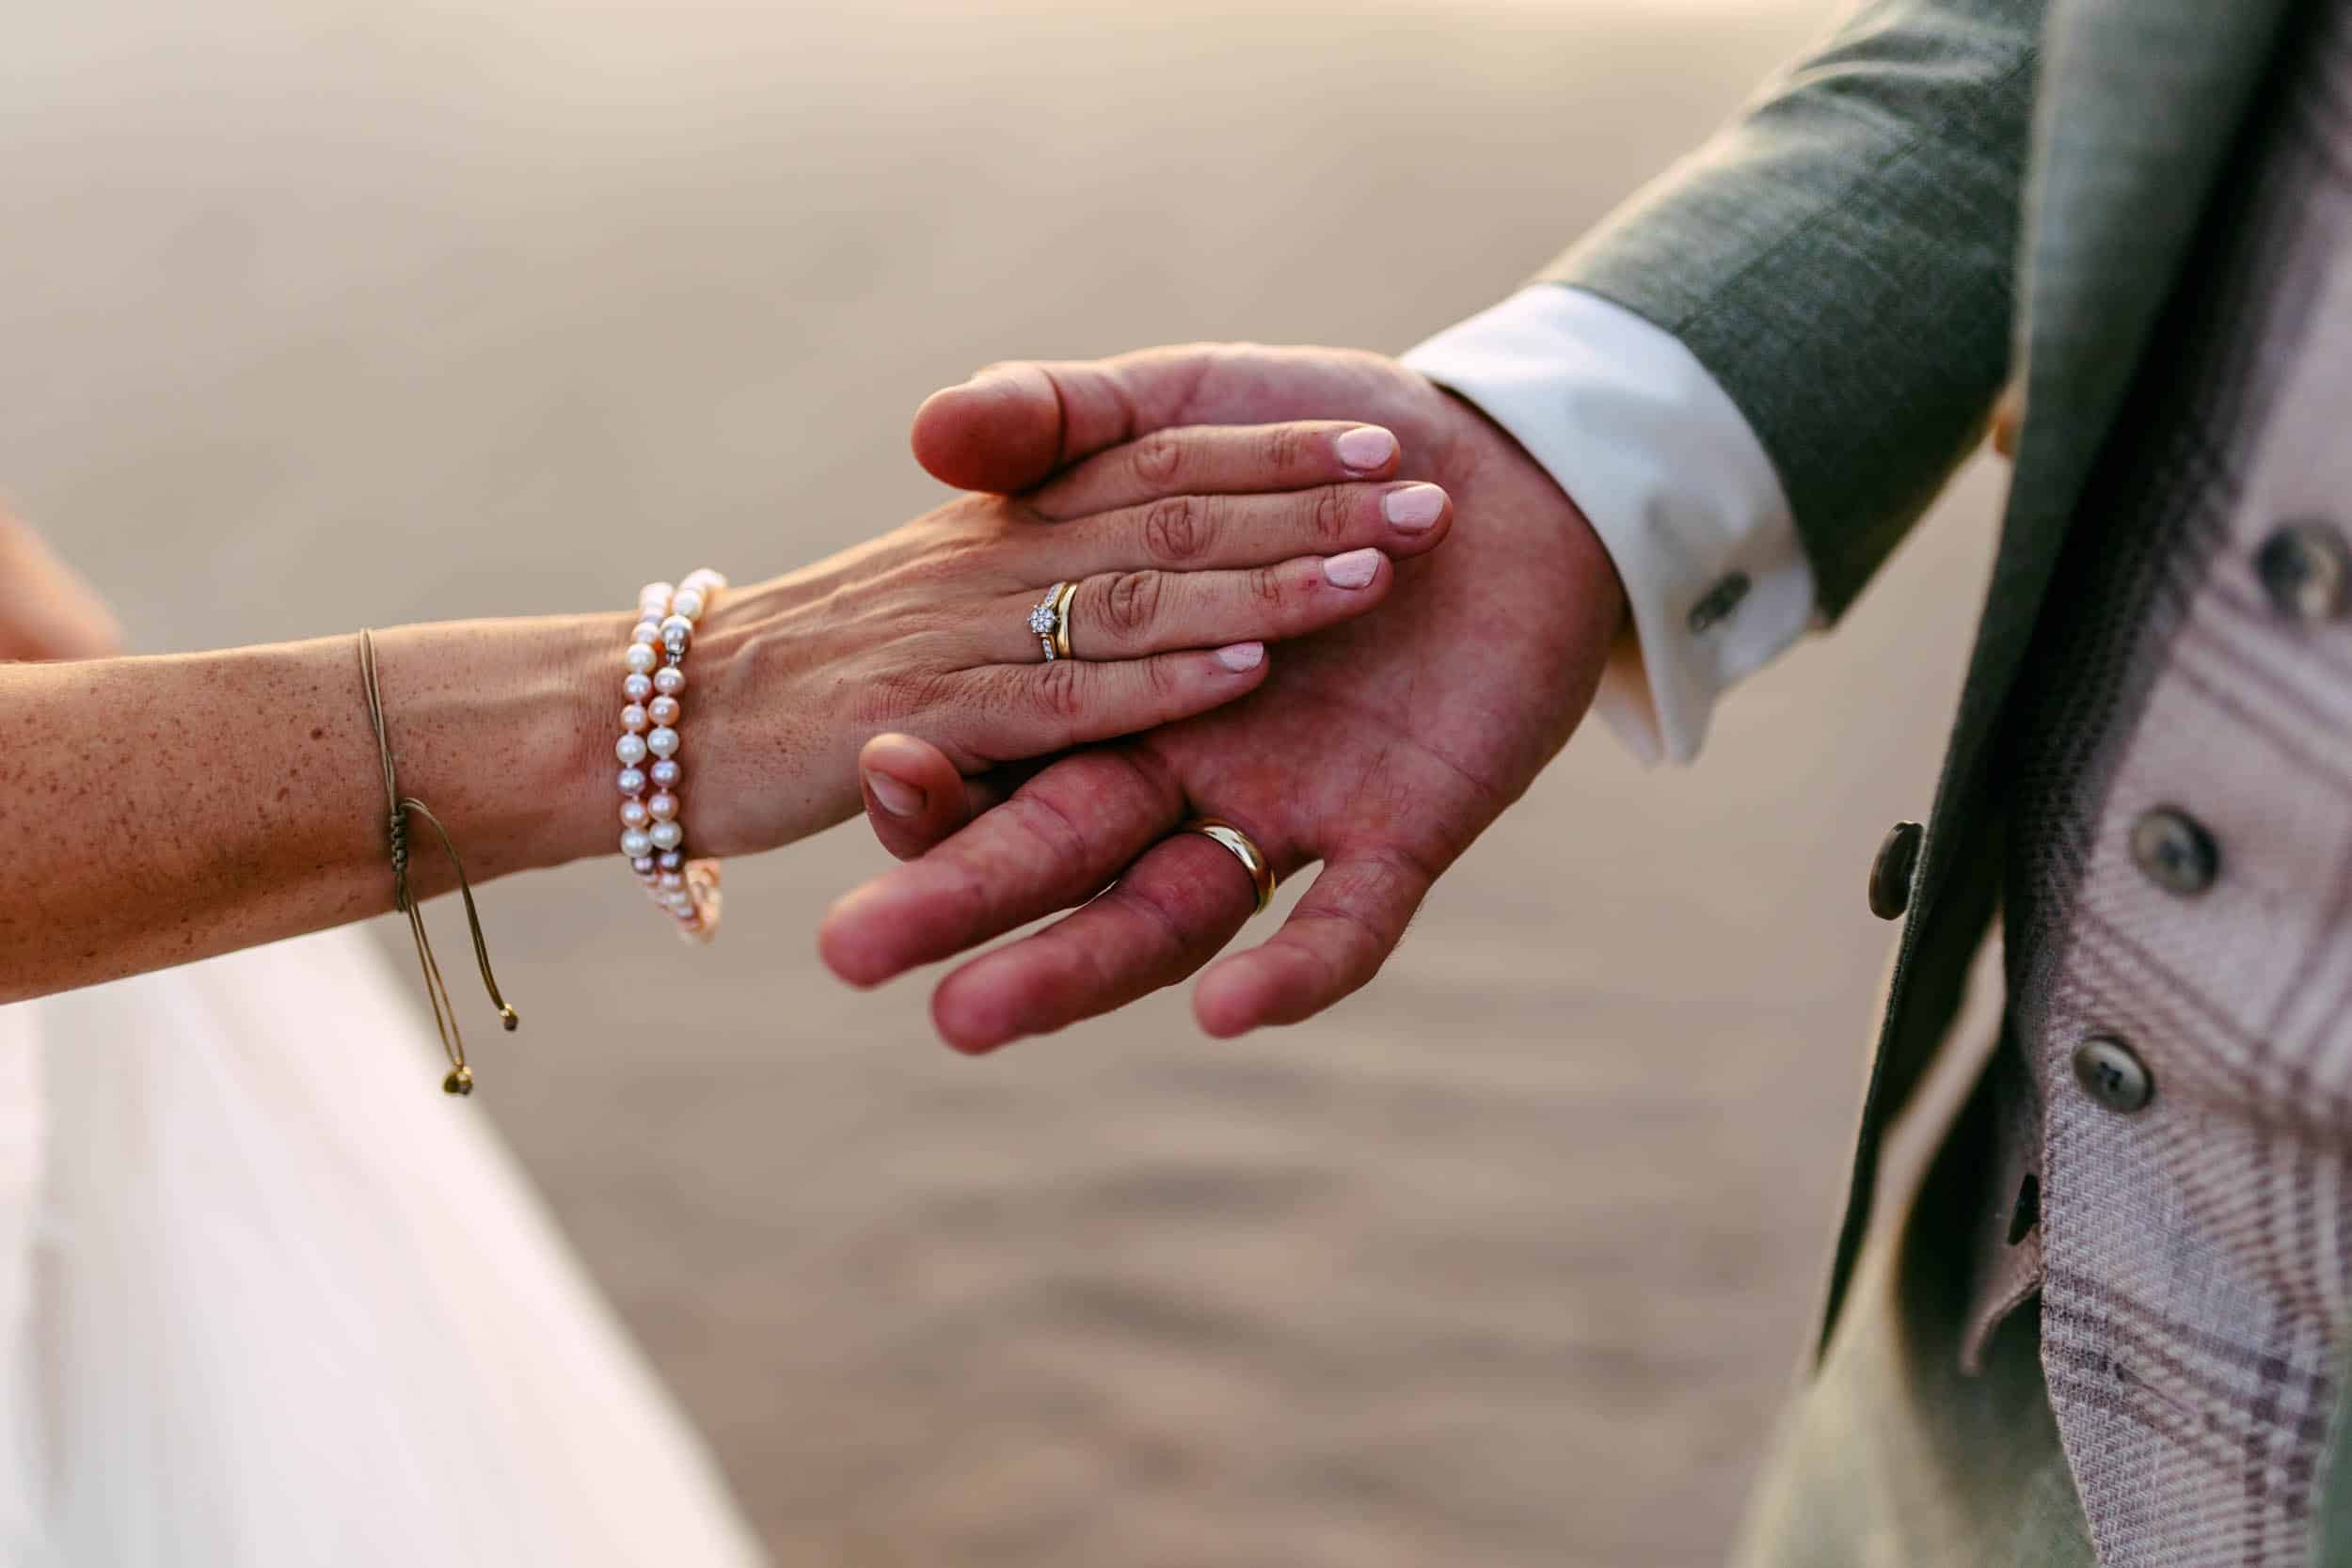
column 503, row 728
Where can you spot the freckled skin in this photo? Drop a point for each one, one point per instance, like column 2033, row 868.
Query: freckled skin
column 158, row 810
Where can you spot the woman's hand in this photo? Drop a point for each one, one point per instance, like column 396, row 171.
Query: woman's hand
column 1190, row 549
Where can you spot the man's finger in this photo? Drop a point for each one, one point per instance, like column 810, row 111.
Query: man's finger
column 916, row 799
column 1015, row 425
column 1170, row 914
column 1335, row 940
column 1058, row 842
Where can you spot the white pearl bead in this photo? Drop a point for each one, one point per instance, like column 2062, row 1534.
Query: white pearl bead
column 630, row 749
column 663, row 710
column 664, row 806
column 640, row 657
column 689, row 602
column 635, row 813
column 636, row 686
column 632, row 779
column 635, row 842
column 647, row 630
column 666, row 773
column 707, row 578
column 666, row 835
column 655, row 593
column 676, row 626
column 632, row 718
column 662, row 742
column 669, row 680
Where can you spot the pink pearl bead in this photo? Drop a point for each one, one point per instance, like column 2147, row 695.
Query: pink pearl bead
column 655, row 593
column 642, row 866
column 669, row 680
column 633, row 719
column 647, row 631
column 666, row 773
column 635, row 813
column 632, row 781
column 664, row 806
column 673, row 881
column 663, row 710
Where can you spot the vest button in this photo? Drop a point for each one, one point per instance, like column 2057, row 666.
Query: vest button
column 2305, row 570
column 1891, row 873
column 2111, row 1073
column 2174, row 851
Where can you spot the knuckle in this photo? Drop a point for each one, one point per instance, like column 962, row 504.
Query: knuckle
column 1131, row 602
column 1059, row 691
column 1164, row 686
column 1328, row 515
column 1265, row 588
column 1282, row 446
column 1176, row 531
column 1157, row 458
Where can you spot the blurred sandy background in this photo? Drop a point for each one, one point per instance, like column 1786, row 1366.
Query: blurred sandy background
column 322, row 313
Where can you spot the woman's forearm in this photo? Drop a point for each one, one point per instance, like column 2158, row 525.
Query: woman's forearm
column 158, row 810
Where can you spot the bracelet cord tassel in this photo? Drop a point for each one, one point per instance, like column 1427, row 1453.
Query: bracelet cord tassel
column 398, row 806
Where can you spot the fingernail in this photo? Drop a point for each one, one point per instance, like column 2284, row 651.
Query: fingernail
column 1365, row 447
column 895, row 795
column 1413, row 508
column 1242, row 656
column 1352, row 570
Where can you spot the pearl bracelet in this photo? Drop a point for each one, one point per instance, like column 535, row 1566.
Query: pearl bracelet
column 652, row 832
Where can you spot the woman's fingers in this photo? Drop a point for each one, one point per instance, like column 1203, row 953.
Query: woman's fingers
column 1056, row 843
column 1202, row 460
column 1005, row 712
column 1129, row 614
column 1204, row 532
column 1169, row 914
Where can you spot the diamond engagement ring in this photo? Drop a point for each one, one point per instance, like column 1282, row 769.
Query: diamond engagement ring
column 1050, row 620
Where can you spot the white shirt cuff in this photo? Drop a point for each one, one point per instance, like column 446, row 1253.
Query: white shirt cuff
column 1662, row 462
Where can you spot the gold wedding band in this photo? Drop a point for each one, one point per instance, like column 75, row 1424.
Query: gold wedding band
column 1061, row 619
column 1245, row 850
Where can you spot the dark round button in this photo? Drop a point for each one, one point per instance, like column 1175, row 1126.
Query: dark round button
column 2305, row 570
column 1891, row 873
column 2175, row 852
column 2112, row 1074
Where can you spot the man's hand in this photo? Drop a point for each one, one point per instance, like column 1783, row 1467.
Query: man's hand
column 1381, row 748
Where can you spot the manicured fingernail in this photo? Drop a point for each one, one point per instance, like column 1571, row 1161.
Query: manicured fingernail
column 1414, row 509
column 1353, row 570
column 895, row 795
column 1365, row 447
column 1242, row 656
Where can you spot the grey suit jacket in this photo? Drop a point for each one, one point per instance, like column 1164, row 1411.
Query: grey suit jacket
column 1949, row 194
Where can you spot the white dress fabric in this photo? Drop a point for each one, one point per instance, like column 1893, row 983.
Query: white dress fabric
column 269, row 1298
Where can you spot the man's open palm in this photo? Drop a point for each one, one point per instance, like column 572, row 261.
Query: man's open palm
column 1381, row 749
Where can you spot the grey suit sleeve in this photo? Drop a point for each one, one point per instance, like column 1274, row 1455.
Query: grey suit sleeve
column 1842, row 259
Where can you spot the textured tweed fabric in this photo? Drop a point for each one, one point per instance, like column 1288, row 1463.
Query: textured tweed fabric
column 2195, row 1276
